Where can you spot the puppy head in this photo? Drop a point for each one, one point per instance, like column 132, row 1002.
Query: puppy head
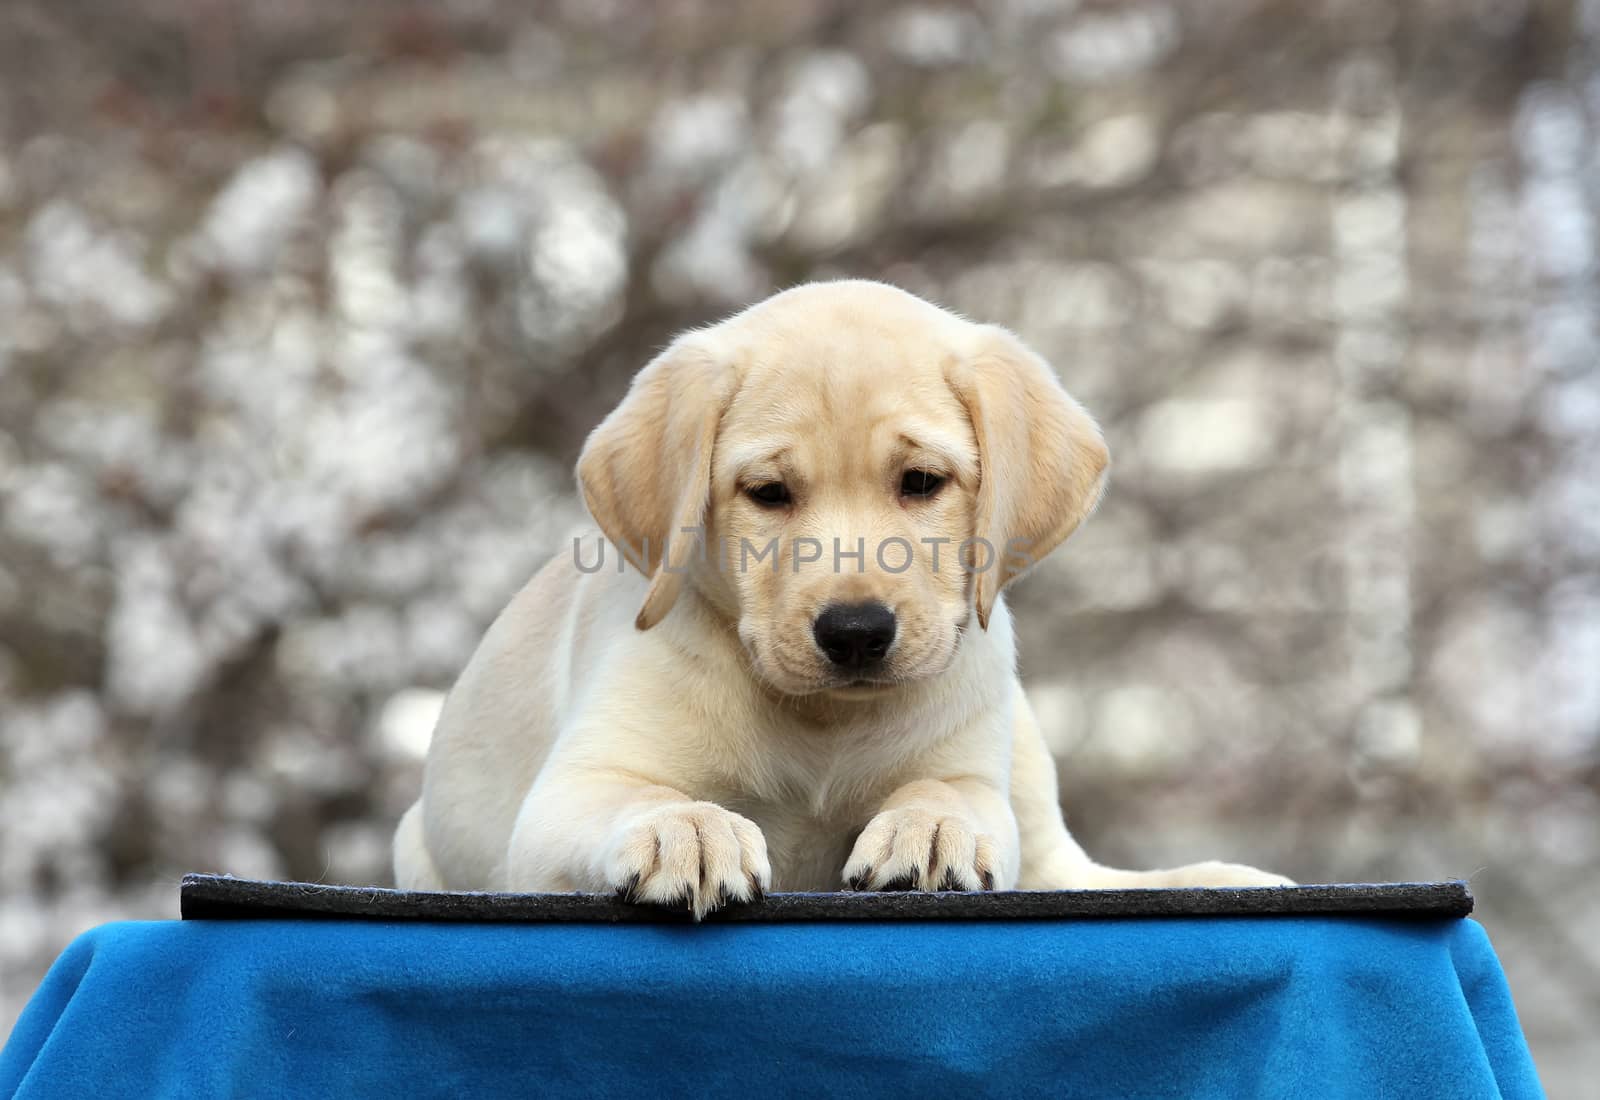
column 867, row 472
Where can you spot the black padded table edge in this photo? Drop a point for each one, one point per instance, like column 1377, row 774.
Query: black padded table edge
column 222, row 897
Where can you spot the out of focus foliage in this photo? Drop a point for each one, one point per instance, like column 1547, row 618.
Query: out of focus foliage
column 305, row 309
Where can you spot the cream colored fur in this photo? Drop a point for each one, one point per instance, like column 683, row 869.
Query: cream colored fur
column 671, row 730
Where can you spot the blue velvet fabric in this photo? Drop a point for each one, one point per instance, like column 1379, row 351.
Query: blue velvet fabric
column 1233, row 1007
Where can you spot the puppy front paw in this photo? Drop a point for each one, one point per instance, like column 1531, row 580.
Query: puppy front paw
column 691, row 854
column 917, row 849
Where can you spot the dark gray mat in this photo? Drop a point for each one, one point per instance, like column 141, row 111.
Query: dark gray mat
column 220, row 897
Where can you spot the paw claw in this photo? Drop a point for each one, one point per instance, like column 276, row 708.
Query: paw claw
column 692, row 855
column 915, row 848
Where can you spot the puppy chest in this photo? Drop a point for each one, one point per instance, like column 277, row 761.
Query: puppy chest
column 806, row 853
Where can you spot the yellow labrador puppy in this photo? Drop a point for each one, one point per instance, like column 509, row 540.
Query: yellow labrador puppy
column 806, row 677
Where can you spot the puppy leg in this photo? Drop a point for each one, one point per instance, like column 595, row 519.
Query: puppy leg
column 1092, row 876
column 1053, row 860
column 413, row 866
column 937, row 835
column 608, row 830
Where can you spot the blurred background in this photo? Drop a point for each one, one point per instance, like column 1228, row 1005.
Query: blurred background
column 306, row 307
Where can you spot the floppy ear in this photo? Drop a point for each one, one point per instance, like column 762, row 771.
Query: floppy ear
column 645, row 471
column 1041, row 459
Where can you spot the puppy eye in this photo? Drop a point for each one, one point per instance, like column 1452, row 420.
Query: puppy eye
column 770, row 495
column 920, row 483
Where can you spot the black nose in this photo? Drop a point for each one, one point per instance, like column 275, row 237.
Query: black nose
column 854, row 635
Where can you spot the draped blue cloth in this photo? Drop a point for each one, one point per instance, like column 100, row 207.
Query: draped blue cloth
column 1195, row 1007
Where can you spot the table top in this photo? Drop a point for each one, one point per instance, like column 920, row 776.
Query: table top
column 218, row 897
